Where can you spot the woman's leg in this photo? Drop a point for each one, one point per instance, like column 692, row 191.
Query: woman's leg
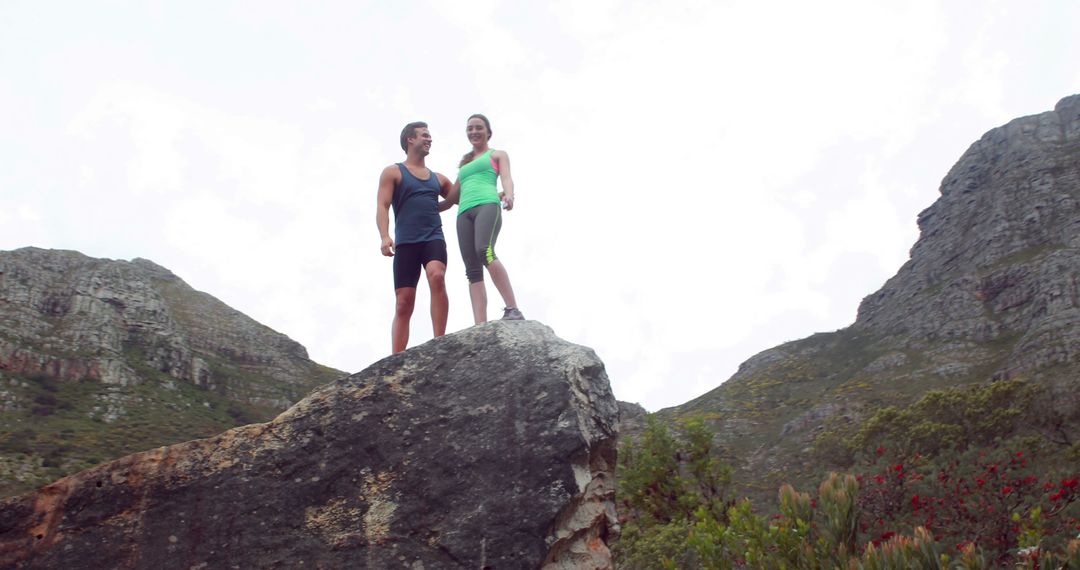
column 474, row 267
column 488, row 225
column 502, row 282
column 478, row 296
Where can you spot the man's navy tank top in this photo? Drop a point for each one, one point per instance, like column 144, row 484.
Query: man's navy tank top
column 416, row 209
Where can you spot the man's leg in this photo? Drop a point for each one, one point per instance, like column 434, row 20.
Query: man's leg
column 440, row 302
column 399, row 331
column 406, row 276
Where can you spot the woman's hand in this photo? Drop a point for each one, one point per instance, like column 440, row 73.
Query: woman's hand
column 507, row 200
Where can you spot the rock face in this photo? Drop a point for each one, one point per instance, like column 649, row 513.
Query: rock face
column 70, row 317
column 489, row 448
column 999, row 253
column 101, row 358
column 632, row 418
column 991, row 291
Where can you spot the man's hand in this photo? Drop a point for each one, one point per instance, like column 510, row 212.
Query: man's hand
column 388, row 246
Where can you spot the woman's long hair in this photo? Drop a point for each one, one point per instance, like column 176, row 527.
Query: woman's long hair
column 469, row 156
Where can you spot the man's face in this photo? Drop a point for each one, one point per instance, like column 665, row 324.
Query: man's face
column 421, row 140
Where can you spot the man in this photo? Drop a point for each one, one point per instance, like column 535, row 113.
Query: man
column 413, row 190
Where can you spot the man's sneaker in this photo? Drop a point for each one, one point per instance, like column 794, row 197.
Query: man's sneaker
column 512, row 314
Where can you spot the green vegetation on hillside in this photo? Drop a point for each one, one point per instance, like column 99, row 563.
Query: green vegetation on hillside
column 52, row 428
column 982, row 476
column 1045, row 419
column 180, row 364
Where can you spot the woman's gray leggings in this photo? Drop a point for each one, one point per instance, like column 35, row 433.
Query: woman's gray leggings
column 477, row 229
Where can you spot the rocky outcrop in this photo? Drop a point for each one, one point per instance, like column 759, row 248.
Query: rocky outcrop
column 992, row 291
column 70, row 317
column 999, row 253
column 632, row 418
column 101, row 358
column 489, row 448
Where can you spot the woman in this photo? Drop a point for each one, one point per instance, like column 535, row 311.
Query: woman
column 480, row 218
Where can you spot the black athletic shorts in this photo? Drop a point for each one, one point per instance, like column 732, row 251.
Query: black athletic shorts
column 409, row 258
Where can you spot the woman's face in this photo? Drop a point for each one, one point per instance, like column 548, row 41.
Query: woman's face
column 477, row 131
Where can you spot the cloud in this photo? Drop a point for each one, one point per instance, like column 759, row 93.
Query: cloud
column 259, row 211
column 696, row 181
column 28, row 213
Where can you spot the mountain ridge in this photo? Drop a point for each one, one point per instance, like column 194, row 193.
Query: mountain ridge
column 991, row 292
column 100, row 358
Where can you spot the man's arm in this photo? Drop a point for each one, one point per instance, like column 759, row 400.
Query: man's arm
column 449, row 192
column 389, row 178
column 503, row 160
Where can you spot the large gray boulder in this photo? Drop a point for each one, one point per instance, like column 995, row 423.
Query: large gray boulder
column 489, row 448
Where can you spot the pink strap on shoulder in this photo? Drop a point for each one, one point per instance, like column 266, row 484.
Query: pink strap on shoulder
column 494, row 163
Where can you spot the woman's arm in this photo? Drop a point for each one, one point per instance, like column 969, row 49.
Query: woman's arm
column 503, row 160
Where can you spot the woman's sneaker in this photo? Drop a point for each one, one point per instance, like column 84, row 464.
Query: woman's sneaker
column 512, row 314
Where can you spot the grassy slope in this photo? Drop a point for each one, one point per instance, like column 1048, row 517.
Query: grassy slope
column 62, row 428
column 750, row 411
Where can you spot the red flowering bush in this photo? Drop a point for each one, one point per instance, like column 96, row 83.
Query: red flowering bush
column 968, row 478
column 995, row 499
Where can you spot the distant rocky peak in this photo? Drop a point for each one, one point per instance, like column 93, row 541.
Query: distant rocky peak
column 991, row 292
column 153, row 269
column 999, row 244
column 69, row 316
column 1070, row 105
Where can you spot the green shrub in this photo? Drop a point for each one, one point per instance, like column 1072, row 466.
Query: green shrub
column 44, row 382
column 991, row 505
column 21, row 441
column 666, row 484
column 241, row 415
column 954, row 418
column 649, row 547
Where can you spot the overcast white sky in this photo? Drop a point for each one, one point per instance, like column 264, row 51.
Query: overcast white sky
column 697, row 181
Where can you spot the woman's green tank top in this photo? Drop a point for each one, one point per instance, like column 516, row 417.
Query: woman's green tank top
column 478, row 183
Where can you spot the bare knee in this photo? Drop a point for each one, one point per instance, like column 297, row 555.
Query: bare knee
column 436, row 276
column 405, row 301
